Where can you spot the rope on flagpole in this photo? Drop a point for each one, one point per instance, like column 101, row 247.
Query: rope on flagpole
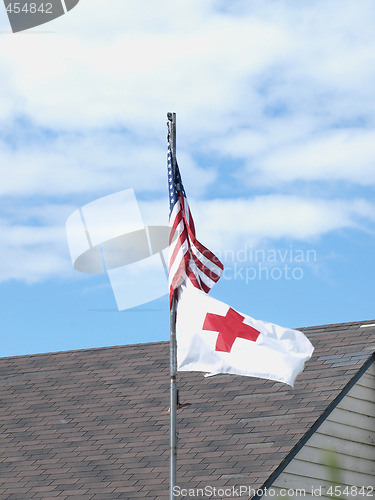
column 171, row 124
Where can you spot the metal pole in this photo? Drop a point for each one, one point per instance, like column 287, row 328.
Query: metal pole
column 173, row 346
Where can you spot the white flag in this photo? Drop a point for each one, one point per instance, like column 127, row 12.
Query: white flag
column 214, row 338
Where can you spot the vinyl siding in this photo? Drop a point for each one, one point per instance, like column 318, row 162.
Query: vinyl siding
column 348, row 432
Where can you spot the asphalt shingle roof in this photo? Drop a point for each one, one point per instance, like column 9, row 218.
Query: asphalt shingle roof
column 94, row 424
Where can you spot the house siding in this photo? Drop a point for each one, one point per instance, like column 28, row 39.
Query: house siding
column 348, row 432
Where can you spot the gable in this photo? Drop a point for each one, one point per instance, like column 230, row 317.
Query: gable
column 341, row 450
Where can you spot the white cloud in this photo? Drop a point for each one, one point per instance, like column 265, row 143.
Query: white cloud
column 95, row 162
column 226, row 75
column 83, row 108
column 344, row 154
column 230, row 223
column 133, row 78
column 33, row 253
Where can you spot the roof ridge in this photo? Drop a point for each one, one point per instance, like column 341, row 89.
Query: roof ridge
column 84, row 349
column 160, row 342
column 330, row 325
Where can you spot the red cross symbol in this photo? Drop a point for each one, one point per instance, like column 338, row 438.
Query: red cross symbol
column 229, row 327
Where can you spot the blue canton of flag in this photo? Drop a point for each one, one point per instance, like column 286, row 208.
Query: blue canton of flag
column 176, row 186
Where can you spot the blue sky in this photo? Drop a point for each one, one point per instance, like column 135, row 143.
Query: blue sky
column 276, row 146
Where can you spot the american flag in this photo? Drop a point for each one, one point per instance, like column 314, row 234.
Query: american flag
column 188, row 259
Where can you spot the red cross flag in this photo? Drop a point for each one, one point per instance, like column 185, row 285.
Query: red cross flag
column 214, row 338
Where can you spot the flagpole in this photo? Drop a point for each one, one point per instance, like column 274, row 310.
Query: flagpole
column 173, row 344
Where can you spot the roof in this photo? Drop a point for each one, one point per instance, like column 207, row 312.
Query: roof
column 94, row 423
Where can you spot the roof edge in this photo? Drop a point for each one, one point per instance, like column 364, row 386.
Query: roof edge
column 83, row 349
column 158, row 342
column 337, row 325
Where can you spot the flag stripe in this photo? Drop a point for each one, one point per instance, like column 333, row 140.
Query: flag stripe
column 188, row 258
